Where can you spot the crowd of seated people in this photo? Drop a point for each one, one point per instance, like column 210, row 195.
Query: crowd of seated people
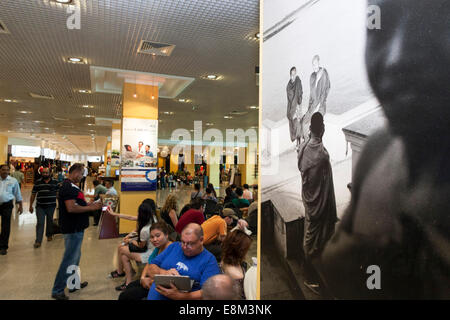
column 207, row 246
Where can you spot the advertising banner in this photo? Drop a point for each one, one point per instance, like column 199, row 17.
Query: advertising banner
column 138, row 154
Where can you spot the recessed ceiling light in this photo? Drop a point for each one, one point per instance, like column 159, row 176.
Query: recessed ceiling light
column 228, row 117
column 253, row 107
column 24, row 112
column 9, row 100
column 63, row 1
column 90, row 124
column 213, row 77
column 75, row 60
column 38, row 121
column 209, row 124
column 88, row 106
column 168, row 113
column 89, row 116
column 84, row 91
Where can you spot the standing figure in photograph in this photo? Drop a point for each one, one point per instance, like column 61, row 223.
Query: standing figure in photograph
column 318, row 197
column 294, row 92
column 318, row 94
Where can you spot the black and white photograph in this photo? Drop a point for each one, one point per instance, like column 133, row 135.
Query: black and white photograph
column 352, row 206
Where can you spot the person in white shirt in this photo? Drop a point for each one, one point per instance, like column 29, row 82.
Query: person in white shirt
column 247, row 193
column 9, row 190
column 83, row 180
column 141, row 149
column 109, row 184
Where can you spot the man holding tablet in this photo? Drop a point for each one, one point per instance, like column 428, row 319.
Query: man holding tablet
column 186, row 258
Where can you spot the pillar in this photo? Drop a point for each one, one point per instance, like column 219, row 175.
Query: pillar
column 106, row 162
column 250, row 164
column 115, row 147
column 242, row 164
column 138, row 104
column 3, row 149
column 214, row 165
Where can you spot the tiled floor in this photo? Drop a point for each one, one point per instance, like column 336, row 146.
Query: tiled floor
column 28, row 273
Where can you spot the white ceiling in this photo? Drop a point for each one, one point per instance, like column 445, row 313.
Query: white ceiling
column 211, row 37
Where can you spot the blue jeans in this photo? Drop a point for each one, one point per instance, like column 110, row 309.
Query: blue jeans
column 72, row 255
column 41, row 214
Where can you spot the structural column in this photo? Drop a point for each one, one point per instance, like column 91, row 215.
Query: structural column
column 139, row 102
column 3, row 149
column 106, row 161
column 214, row 166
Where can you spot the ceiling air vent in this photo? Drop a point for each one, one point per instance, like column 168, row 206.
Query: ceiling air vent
column 40, row 96
column 3, row 28
column 155, row 48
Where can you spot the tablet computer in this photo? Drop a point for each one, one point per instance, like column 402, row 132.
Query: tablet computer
column 183, row 283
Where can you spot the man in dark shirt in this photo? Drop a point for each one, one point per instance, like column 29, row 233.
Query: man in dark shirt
column 44, row 190
column 73, row 219
column 193, row 215
column 240, row 202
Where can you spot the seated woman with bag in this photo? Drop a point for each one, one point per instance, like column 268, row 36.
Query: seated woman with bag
column 138, row 290
column 137, row 245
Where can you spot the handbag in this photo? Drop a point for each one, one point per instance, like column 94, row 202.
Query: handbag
column 134, row 248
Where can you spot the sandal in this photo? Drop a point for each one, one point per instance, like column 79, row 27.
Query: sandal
column 122, row 287
column 115, row 274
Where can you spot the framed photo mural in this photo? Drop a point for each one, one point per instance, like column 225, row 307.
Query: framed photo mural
column 138, row 154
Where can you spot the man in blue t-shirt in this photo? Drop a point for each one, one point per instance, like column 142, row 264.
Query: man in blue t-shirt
column 186, row 258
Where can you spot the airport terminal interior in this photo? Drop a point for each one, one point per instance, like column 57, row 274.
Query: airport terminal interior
column 157, row 100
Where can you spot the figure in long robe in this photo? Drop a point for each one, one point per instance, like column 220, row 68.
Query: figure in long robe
column 318, row 94
column 294, row 92
column 317, row 190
